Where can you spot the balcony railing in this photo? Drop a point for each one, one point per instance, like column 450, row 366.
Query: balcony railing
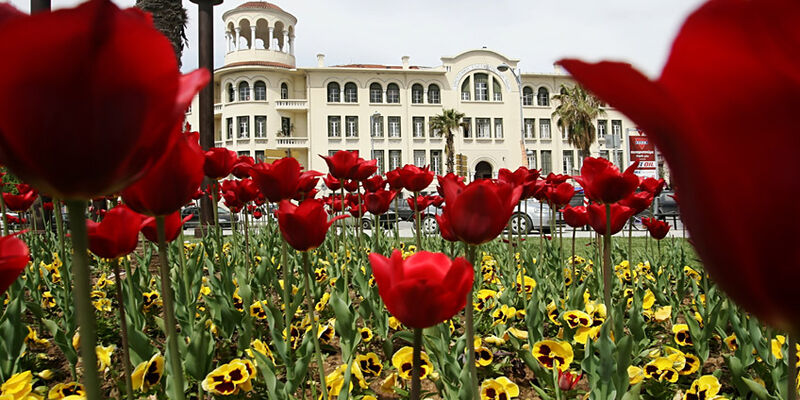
column 291, row 142
column 291, row 104
column 217, row 109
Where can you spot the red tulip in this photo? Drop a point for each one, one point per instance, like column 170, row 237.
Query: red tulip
column 242, row 167
column 394, row 179
column 19, row 202
column 117, row 234
column 437, row 201
column 331, row 182
column 619, row 216
column 420, row 203
column 239, row 191
column 307, row 181
column 556, row 179
column 357, row 210
column 219, row 162
column 173, row 180
column 172, row 227
column 341, row 163
column 567, row 380
column 445, row 228
column 304, row 227
column 658, row 229
column 515, row 178
column 560, row 194
column 424, row 289
column 14, row 256
column 374, row 184
column 378, row 202
column 481, row 210
column 48, row 206
column 363, row 169
column 414, row 178
column 24, row 188
column 457, row 183
column 694, row 114
column 113, row 94
column 603, row 183
column 638, row 201
column 576, row 217
column 257, row 214
column 350, row 185
column 652, row 185
column 277, row 181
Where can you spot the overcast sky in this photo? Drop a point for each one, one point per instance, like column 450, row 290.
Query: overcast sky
column 538, row 32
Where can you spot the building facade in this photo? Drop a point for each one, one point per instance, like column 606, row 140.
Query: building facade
column 265, row 104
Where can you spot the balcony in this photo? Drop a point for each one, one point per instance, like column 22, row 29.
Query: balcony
column 291, row 142
column 217, row 108
column 291, row 105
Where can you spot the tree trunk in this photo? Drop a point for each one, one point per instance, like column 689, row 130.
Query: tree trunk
column 448, row 150
column 170, row 18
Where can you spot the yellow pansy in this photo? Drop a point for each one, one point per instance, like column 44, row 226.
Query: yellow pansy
column 635, row 374
column 369, row 364
column 662, row 313
column 148, row 373
column 550, row 353
column 104, row 356
column 63, row 391
column 403, row 362
column 576, row 318
column 257, row 310
column 648, row 300
column 485, row 299
column 662, row 368
column 322, row 302
column 19, row 386
column 366, row 334
column 731, row 342
column 499, row 389
column 777, row 346
column 705, row 387
column 483, row 356
column 682, row 336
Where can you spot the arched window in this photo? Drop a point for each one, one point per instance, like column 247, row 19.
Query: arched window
column 543, row 97
column 284, row 91
column 433, row 94
column 333, row 92
column 260, row 89
column 350, row 93
column 392, row 93
column 481, row 87
column 497, row 91
column 416, row 93
column 244, row 91
column 375, row 93
column 527, row 96
column 231, row 94
column 465, row 89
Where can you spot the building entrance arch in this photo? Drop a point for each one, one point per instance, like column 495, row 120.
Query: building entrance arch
column 483, row 170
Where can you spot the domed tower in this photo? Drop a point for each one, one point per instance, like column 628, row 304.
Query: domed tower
column 259, row 31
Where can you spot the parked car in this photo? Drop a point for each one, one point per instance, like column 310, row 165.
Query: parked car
column 223, row 214
column 528, row 219
column 367, row 220
column 666, row 205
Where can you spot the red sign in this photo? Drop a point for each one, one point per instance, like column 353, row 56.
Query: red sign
column 644, row 151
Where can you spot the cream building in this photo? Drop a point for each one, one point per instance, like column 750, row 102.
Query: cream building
column 264, row 102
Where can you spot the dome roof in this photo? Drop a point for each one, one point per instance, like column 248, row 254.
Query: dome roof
column 259, row 4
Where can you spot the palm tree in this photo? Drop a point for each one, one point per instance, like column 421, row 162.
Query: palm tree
column 448, row 121
column 170, row 18
column 576, row 114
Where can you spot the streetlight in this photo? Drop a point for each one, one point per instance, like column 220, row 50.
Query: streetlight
column 503, row 68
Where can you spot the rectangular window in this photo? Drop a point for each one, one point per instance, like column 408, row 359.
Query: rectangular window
column 419, row 158
column 376, row 128
column 498, row 128
column 532, row 159
column 466, row 127
column 433, row 96
column 261, row 126
column 436, row 162
column 416, row 96
column 244, row 127
column 604, row 154
column 394, row 127
column 602, row 128
column 481, row 87
column 395, row 159
column 378, row 156
column 286, row 126
column 376, row 95
column 419, row 126
column 261, row 92
column 547, row 162
column 616, row 127
column 530, row 133
column 229, row 122
column 333, row 94
column 544, row 128
column 259, row 155
column 334, row 126
column 568, row 162
column 482, row 127
column 331, row 152
column 619, row 159
column 351, row 126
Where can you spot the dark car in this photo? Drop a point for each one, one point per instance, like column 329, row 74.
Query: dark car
column 666, row 205
column 224, row 216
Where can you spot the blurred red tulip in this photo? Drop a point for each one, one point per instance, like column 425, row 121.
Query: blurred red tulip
column 374, row 184
column 242, row 167
column 480, row 211
column 308, row 181
column 172, row 227
column 556, row 179
column 331, row 182
column 19, row 202
column 304, row 227
column 378, row 202
column 457, row 183
column 559, row 195
column 350, row 185
column 394, row 179
column 257, row 214
column 219, row 162
column 341, row 163
column 597, row 217
column 114, row 93
column 638, row 201
column 603, row 183
column 363, row 169
column 658, row 229
column 277, row 181
column 414, row 178
column 445, row 228
column 567, row 380
column 425, row 288
column 180, row 171
column 357, row 210
column 420, row 203
column 576, row 217
column 14, row 256
column 117, row 234
column 652, row 185
column 693, row 113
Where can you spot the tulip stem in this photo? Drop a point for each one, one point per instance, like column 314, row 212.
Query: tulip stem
column 344, row 271
column 123, row 327
column 314, row 326
column 791, row 380
column 376, row 230
column 65, row 273
column 541, row 231
column 630, row 240
column 607, row 263
column 3, row 211
column 83, row 304
column 287, row 299
column 416, row 363
column 471, row 250
column 174, row 354
column 574, row 269
column 396, row 221
column 419, row 227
